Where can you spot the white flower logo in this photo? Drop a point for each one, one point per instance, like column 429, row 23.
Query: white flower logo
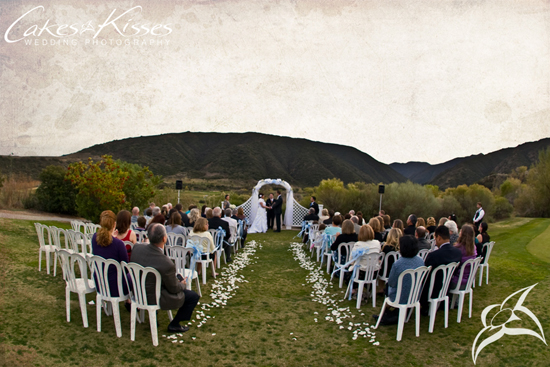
column 504, row 330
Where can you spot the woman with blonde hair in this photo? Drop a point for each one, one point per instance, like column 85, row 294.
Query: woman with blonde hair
column 324, row 215
column 106, row 245
column 374, row 223
column 201, row 230
column 420, row 222
column 194, row 214
column 431, row 225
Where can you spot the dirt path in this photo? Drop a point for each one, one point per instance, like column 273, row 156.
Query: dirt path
column 34, row 215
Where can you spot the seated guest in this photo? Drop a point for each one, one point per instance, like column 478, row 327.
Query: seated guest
column 156, row 211
column 347, row 235
column 328, row 221
column 189, row 208
column 203, row 211
column 241, row 216
column 361, row 219
column 467, row 247
column 173, row 292
column 174, row 226
column 420, row 222
column 355, row 221
column 193, row 216
column 311, row 215
column 411, row 225
column 141, row 224
column 398, row 223
column 123, row 231
column 107, row 246
column 387, row 222
column 408, row 248
column 420, row 235
column 453, row 231
column 431, row 225
column 334, row 227
column 148, row 214
column 366, row 240
column 453, row 218
column 216, row 222
column 184, row 218
column 444, row 256
column 233, row 224
column 208, row 213
column 481, row 239
column 164, row 211
column 135, row 214
column 375, row 225
column 201, row 229
column 442, row 221
column 324, row 215
column 381, row 220
column 234, row 213
column 347, row 216
column 159, row 218
column 392, row 244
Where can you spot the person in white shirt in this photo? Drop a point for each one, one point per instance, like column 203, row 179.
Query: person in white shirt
column 478, row 217
column 233, row 224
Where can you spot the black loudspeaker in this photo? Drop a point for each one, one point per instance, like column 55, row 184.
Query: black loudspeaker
column 179, row 185
column 381, row 189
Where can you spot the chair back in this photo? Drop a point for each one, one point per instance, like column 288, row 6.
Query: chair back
column 68, row 262
column 141, row 236
column 179, row 255
column 394, row 255
column 200, row 242
column 76, row 225
column 348, row 246
column 79, row 242
column 91, row 228
column 138, row 277
column 56, row 238
column 218, row 238
column 417, row 278
column 447, row 272
column 430, row 236
column 423, row 253
column 433, row 247
column 41, row 231
column 100, row 269
column 176, row 239
column 489, row 246
column 369, row 263
column 186, row 231
column 133, row 226
column 472, row 264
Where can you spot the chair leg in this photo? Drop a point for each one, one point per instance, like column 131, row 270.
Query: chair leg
column 170, row 317
column 116, row 316
column 203, row 272
column 381, row 314
column 417, row 315
column 83, row 311
column 446, row 312
column 133, row 316
column 213, row 270
column 401, row 323
column 198, row 286
column 47, row 262
column 487, row 276
column 68, row 303
column 360, row 294
column 328, row 264
column 471, row 297
column 373, row 292
column 40, row 260
column 98, row 311
column 433, row 310
column 341, row 277
column 153, row 323
column 460, row 306
column 480, row 269
column 55, row 264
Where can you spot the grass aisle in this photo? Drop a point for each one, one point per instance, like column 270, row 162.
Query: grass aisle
column 254, row 328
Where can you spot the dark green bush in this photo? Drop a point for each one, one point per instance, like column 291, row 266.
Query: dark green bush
column 55, row 195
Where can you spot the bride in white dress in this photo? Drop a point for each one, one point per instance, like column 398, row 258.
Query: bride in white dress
column 260, row 222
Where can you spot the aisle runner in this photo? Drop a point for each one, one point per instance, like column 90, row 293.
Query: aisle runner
column 224, row 287
column 321, row 294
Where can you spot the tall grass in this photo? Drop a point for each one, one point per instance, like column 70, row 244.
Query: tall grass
column 17, row 192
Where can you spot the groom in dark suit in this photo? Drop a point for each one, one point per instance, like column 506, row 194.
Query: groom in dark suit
column 277, row 210
column 270, row 216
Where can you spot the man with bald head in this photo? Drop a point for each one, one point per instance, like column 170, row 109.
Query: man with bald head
column 420, row 234
column 216, row 222
column 135, row 214
column 174, row 293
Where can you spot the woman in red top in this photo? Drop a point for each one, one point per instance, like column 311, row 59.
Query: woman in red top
column 123, row 231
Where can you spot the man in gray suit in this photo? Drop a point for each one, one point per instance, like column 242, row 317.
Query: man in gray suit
column 173, row 293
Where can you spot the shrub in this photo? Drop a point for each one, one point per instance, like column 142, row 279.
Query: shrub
column 55, row 194
column 331, row 193
column 502, row 208
column 534, row 200
column 403, row 199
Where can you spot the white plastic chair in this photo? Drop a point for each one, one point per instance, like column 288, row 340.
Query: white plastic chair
column 179, row 255
column 133, row 226
column 76, row 225
column 485, row 262
column 100, row 268
column 138, row 276
column 232, row 236
column 373, row 261
column 316, row 244
column 338, row 264
column 80, row 243
column 386, row 270
column 423, row 253
column 447, row 272
column 328, row 252
column 417, row 277
column 91, row 228
column 45, row 242
column 141, row 236
column 312, row 235
column 202, row 242
column 473, row 265
column 81, row 286
column 218, row 243
column 176, row 239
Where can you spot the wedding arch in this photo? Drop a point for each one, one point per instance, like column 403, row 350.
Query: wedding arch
column 294, row 212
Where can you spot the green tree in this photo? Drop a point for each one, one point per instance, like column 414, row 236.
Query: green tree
column 331, row 194
column 534, row 200
column 55, row 194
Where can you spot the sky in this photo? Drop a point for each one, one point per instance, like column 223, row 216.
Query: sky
column 401, row 81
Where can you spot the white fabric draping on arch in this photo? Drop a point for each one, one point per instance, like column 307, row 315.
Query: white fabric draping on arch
column 287, row 218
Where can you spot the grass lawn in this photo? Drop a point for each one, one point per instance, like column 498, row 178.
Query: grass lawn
column 270, row 321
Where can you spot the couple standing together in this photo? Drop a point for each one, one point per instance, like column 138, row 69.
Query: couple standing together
column 270, row 210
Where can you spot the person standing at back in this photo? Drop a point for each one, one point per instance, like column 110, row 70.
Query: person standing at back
column 270, row 216
column 277, row 210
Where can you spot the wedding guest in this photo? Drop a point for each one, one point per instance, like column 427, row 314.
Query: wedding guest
column 233, row 224
column 431, row 225
column 208, row 213
column 453, row 230
column 184, row 218
column 481, row 239
column 314, row 205
column 123, row 231
column 347, row 234
column 324, row 215
column 159, row 218
column 361, row 218
column 381, row 220
column 174, row 226
column 398, row 223
column 387, row 221
column 189, row 208
column 420, row 222
column 355, row 221
column 375, row 225
column 201, row 229
column 334, row 228
column 442, row 221
column 226, row 204
column 135, row 214
column 241, row 216
column 420, row 235
column 467, row 247
column 148, row 214
column 411, row 225
column 193, row 216
column 311, row 215
column 203, row 211
column 328, row 221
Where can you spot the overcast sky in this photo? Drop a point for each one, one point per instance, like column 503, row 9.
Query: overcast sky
column 423, row 81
